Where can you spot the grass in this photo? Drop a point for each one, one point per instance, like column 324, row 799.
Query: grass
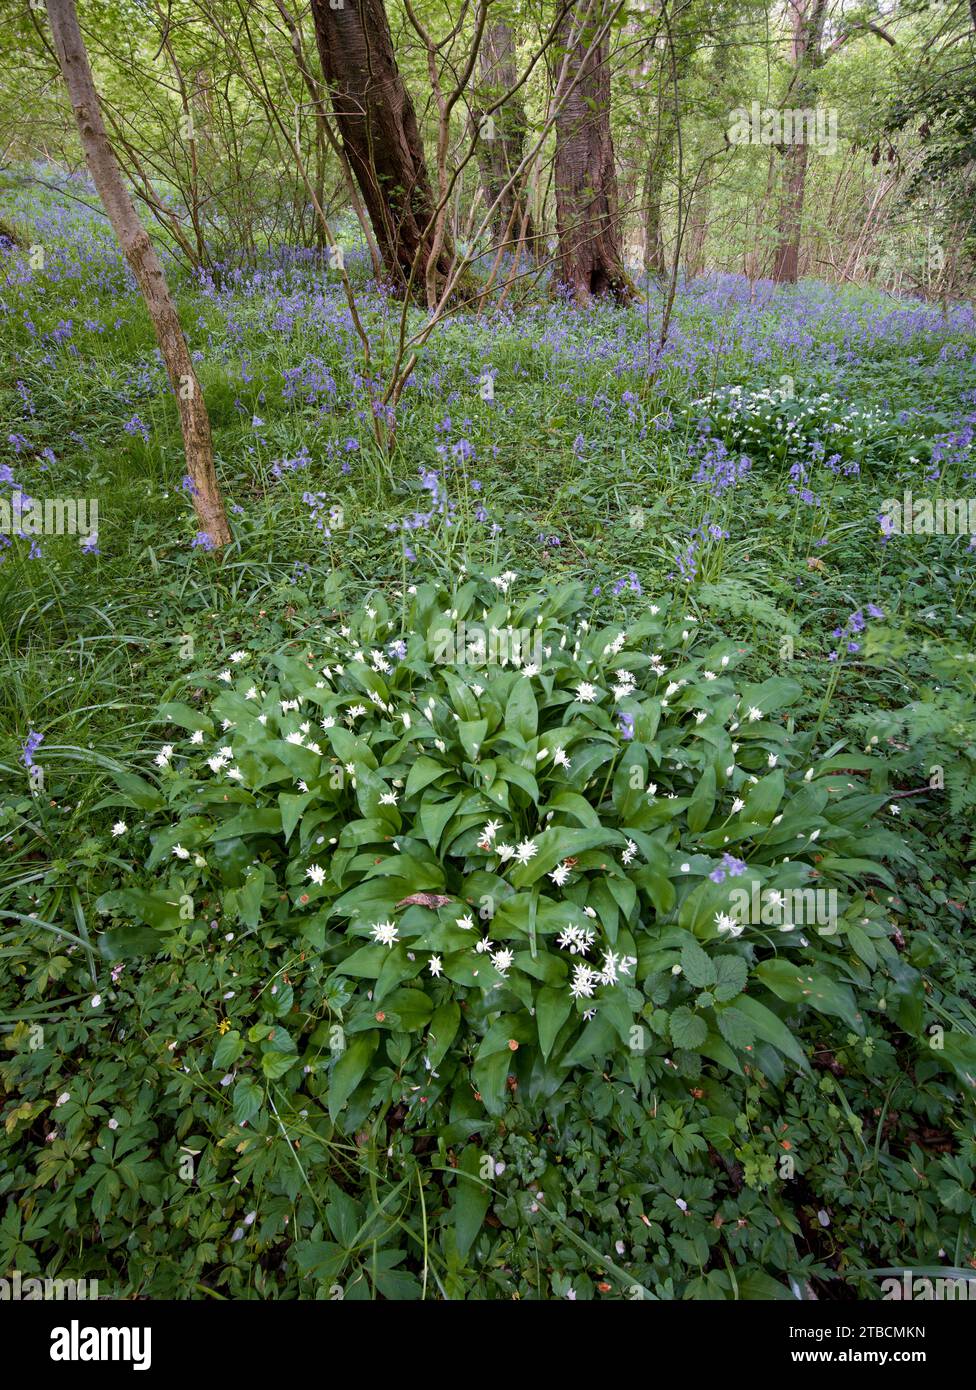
column 587, row 465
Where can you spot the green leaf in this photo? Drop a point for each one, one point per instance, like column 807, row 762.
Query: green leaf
column 687, row 1029
column 350, row 1069
column 442, row 1031
column 696, row 965
column 159, row 908
column 762, row 800
column 702, row 802
column 552, row 1008
column 472, row 1199
column 736, row 1028
column 275, row 1064
column 731, row 974
column 554, row 845
column 173, row 712
column 424, row 771
column 797, row 984
column 772, row 1029
column 228, row 1049
column 292, row 806
column 248, row 1099
column 521, row 710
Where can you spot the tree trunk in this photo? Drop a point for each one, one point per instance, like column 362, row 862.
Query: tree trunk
column 502, row 139
column 658, row 161
column 699, row 213
column 808, row 27
column 138, row 250
column 587, row 213
column 380, row 136
column 324, row 130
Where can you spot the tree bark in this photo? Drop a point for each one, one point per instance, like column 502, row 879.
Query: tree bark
column 658, row 162
column 501, row 145
column 138, row 250
column 808, row 28
column 587, row 212
column 379, row 132
column 325, row 131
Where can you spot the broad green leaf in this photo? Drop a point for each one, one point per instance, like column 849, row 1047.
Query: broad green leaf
column 687, row 1029
column 472, row 1198
column 350, row 1069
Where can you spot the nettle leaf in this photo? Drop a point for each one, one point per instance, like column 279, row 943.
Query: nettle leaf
column 687, row 1029
column 697, row 965
column 731, row 973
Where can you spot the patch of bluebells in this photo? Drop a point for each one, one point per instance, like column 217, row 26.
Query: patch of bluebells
column 730, row 867
column 852, row 629
column 629, row 581
column 718, row 470
column 687, row 558
column 137, row 426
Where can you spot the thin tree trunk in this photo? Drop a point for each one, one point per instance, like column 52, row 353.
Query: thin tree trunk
column 808, row 27
column 501, row 144
column 376, row 121
column 139, row 252
column 701, row 203
column 658, row 160
column 587, row 213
